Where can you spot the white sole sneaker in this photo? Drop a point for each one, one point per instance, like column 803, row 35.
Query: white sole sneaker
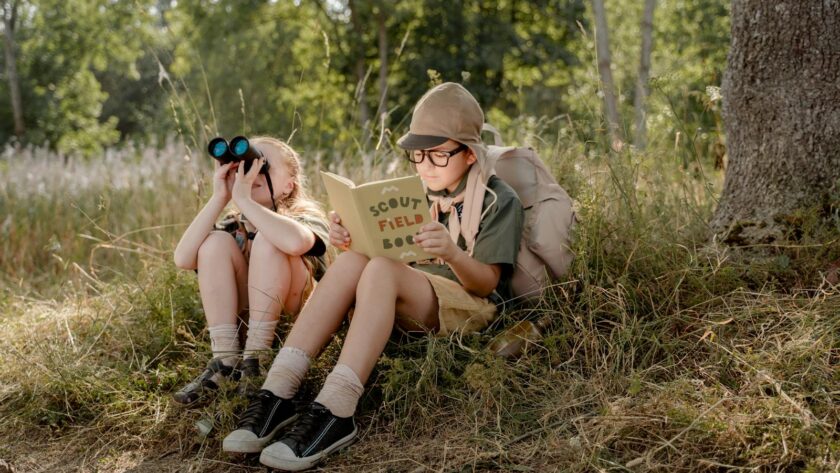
column 279, row 455
column 251, row 443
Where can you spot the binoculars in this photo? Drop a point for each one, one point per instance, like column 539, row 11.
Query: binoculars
column 239, row 149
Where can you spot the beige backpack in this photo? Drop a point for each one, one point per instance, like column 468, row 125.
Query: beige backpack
column 545, row 249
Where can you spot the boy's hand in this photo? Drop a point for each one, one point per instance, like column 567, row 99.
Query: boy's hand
column 434, row 238
column 223, row 181
column 244, row 182
column 339, row 236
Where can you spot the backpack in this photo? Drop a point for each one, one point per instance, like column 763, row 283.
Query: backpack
column 545, row 249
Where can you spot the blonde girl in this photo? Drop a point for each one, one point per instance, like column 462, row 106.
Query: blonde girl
column 254, row 264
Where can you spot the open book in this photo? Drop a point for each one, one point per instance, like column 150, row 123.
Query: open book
column 382, row 216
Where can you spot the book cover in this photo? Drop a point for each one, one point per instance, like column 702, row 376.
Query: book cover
column 381, row 216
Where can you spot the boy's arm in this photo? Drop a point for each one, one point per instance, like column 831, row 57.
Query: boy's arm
column 476, row 277
column 186, row 252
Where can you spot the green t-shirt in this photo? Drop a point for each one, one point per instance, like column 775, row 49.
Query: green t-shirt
column 498, row 236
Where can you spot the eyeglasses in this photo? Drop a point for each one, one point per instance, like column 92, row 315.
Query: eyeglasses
column 439, row 158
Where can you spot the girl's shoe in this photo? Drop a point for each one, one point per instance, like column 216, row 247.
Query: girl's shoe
column 198, row 389
column 314, row 436
column 265, row 416
column 250, row 377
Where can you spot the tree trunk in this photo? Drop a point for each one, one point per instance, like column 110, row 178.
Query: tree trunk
column 781, row 108
column 602, row 42
column 361, row 79
column 9, row 14
column 381, row 110
column 644, row 75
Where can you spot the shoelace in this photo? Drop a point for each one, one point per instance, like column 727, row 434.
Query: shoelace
column 255, row 411
column 306, row 425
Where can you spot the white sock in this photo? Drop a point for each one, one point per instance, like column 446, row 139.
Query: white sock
column 341, row 391
column 260, row 336
column 224, row 341
column 287, row 372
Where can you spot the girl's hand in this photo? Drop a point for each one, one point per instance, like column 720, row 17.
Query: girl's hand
column 223, row 181
column 434, row 238
column 243, row 183
column 339, row 236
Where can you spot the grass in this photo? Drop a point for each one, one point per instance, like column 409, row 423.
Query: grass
column 667, row 352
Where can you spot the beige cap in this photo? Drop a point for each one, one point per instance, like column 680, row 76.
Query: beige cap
column 446, row 112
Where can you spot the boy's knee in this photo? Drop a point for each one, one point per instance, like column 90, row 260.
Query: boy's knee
column 380, row 270
column 350, row 258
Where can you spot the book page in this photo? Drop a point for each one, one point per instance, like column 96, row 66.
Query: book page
column 382, row 216
column 393, row 211
column 340, row 193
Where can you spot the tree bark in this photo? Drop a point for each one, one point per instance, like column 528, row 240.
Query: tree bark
column 9, row 19
column 383, row 67
column 602, row 42
column 361, row 75
column 781, row 108
column 639, row 102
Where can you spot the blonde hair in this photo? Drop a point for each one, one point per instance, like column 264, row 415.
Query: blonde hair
column 297, row 203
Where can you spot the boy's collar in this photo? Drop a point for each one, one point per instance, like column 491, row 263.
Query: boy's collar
column 460, row 188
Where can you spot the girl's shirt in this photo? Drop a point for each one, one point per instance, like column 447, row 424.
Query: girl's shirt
column 498, row 236
column 315, row 258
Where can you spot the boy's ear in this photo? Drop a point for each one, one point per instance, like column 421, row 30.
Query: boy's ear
column 471, row 156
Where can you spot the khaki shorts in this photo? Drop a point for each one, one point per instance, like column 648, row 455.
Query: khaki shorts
column 458, row 310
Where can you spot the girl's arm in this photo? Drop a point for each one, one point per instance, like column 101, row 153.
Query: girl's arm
column 186, row 253
column 476, row 277
column 286, row 234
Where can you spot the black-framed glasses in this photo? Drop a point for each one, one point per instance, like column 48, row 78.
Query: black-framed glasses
column 439, row 158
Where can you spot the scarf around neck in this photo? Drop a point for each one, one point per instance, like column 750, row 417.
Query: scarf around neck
column 472, row 197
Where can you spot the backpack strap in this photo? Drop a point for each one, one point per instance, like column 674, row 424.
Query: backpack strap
column 497, row 137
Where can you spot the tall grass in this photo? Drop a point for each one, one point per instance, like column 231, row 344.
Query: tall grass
column 667, row 351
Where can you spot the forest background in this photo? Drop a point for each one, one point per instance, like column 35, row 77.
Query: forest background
column 670, row 348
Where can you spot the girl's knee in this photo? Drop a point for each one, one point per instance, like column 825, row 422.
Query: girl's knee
column 217, row 244
column 263, row 248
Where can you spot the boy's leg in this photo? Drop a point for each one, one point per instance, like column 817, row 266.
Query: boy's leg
column 271, row 408
column 222, row 282
column 317, row 322
column 385, row 288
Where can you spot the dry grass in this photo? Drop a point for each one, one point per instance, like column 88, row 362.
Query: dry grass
column 667, row 352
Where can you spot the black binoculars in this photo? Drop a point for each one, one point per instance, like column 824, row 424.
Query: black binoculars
column 239, row 149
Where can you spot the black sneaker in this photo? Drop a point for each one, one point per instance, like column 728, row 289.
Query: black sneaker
column 265, row 415
column 198, row 388
column 317, row 434
column 250, row 377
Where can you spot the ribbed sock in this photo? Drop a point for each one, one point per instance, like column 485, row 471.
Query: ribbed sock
column 341, row 391
column 224, row 342
column 260, row 336
column 287, row 372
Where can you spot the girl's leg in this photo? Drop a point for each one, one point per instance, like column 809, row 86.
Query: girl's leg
column 222, row 282
column 275, row 282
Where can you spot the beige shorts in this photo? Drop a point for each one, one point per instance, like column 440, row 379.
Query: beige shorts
column 458, row 310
